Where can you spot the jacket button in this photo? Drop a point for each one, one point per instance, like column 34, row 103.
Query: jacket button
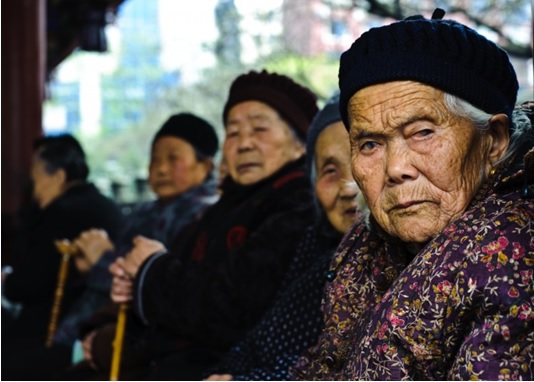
column 330, row 361
column 330, row 276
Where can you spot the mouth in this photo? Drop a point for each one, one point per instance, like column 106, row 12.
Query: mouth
column 162, row 184
column 351, row 211
column 245, row 167
column 407, row 205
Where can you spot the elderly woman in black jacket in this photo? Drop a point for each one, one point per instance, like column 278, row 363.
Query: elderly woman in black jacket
column 66, row 204
column 196, row 299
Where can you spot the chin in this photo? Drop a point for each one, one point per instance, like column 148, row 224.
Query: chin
column 412, row 235
column 247, row 180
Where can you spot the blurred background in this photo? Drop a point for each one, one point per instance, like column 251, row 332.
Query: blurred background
column 110, row 72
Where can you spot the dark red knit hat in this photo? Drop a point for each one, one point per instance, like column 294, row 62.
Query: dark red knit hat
column 295, row 103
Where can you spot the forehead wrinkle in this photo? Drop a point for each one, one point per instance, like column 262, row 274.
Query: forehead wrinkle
column 397, row 104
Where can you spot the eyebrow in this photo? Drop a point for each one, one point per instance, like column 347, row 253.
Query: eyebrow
column 329, row 160
column 368, row 134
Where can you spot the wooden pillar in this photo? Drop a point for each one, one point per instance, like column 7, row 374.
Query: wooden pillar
column 23, row 79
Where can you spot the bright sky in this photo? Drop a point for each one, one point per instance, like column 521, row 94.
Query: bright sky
column 187, row 26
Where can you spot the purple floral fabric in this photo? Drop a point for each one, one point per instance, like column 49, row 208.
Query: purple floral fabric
column 460, row 308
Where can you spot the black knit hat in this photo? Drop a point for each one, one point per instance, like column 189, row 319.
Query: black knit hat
column 195, row 130
column 327, row 115
column 295, row 103
column 441, row 53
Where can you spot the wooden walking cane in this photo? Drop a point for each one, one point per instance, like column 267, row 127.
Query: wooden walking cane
column 118, row 341
column 66, row 249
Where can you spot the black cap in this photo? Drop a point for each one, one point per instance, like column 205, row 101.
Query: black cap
column 195, row 130
column 441, row 53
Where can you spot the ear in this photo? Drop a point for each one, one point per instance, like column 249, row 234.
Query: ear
column 60, row 177
column 500, row 137
column 207, row 167
column 300, row 149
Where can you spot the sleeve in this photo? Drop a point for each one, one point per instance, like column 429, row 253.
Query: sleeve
column 218, row 303
column 238, row 360
column 99, row 278
column 499, row 340
column 279, row 372
column 94, row 297
column 36, row 265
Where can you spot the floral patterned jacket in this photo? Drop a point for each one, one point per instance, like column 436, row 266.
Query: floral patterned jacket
column 460, row 308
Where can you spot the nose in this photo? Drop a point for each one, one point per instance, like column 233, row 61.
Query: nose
column 160, row 167
column 399, row 167
column 245, row 141
column 348, row 188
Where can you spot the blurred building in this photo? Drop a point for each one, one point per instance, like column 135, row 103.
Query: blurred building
column 109, row 90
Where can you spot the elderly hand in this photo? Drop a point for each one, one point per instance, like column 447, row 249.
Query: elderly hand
column 91, row 245
column 122, row 285
column 143, row 248
column 87, row 345
column 219, row 377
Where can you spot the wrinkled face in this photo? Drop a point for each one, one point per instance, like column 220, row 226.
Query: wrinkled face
column 46, row 187
column 258, row 142
column 174, row 167
column 334, row 186
column 417, row 165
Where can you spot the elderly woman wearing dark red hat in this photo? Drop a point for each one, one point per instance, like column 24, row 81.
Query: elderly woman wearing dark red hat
column 194, row 300
column 439, row 284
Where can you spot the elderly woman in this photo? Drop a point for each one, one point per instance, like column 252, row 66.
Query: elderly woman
column 202, row 295
column 66, row 205
column 294, row 321
column 439, row 284
column 180, row 175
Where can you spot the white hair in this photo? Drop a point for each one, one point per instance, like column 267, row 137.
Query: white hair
column 520, row 124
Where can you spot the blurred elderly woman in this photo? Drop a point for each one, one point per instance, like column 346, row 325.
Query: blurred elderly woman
column 294, row 321
column 219, row 276
column 66, row 204
column 439, row 284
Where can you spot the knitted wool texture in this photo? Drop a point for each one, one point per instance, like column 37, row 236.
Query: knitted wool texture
column 295, row 103
column 441, row 53
column 195, row 130
column 327, row 115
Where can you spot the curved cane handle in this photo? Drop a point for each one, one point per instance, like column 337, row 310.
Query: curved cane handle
column 66, row 249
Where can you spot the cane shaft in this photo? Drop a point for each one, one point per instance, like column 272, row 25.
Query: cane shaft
column 58, row 297
column 118, row 342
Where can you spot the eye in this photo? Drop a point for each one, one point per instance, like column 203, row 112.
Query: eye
column 368, row 146
column 259, row 129
column 231, row 134
column 424, row 133
column 329, row 171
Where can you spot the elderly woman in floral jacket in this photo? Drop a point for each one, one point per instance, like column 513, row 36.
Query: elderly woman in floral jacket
column 439, row 283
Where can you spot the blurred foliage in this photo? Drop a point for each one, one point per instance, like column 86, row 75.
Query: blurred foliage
column 499, row 16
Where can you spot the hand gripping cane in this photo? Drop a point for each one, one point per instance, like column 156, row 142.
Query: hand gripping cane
column 66, row 249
